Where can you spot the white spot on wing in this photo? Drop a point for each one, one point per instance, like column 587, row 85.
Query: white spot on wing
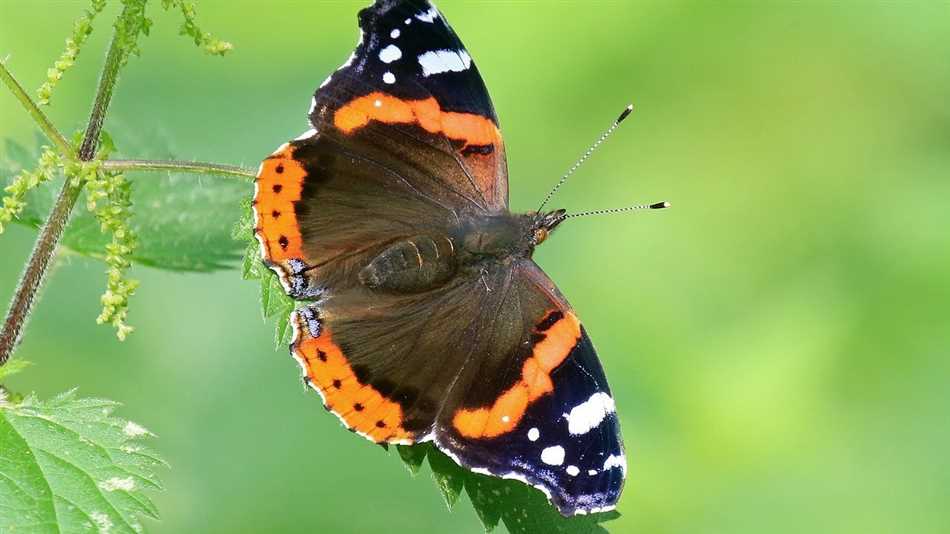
column 591, row 472
column 407, row 21
column 429, row 16
column 306, row 135
column 390, row 53
column 439, row 61
column 534, row 434
column 573, row 470
column 394, row 34
column 615, row 460
column 589, row 414
column 389, row 78
column 378, row 103
column 553, row 455
column 505, row 419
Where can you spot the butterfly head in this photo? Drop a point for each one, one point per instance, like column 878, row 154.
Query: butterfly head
column 542, row 224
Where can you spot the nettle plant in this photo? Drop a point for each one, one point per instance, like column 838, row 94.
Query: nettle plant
column 69, row 463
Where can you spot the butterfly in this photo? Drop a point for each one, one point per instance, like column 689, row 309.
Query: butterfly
column 425, row 318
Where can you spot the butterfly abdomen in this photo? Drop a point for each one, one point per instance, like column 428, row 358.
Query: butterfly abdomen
column 411, row 265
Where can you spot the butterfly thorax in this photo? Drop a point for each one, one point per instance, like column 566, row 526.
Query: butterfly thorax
column 426, row 261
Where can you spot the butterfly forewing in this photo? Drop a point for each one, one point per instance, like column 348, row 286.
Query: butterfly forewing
column 411, row 80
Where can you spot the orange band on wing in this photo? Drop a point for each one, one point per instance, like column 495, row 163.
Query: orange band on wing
column 360, row 406
column 469, row 128
column 279, row 184
column 560, row 337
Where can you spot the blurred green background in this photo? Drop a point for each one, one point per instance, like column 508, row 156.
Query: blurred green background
column 777, row 342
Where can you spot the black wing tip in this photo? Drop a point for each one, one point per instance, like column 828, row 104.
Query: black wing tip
column 382, row 7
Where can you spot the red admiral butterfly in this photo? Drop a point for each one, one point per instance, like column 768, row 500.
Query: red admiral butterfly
column 428, row 321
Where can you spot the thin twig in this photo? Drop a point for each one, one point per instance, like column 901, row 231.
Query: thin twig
column 195, row 167
column 52, row 232
column 41, row 119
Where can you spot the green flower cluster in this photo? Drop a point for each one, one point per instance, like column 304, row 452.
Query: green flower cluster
column 134, row 22
column 205, row 40
column 81, row 30
column 130, row 25
column 114, row 217
column 108, row 194
column 14, row 202
column 109, row 198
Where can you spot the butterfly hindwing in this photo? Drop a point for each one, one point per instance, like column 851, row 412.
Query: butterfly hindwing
column 496, row 370
column 404, row 352
column 548, row 416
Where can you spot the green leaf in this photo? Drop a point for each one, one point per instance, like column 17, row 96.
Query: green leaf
column 276, row 303
column 251, row 262
column 284, row 330
column 69, row 465
column 274, row 300
column 522, row 508
column 483, row 500
column 183, row 222
column 412, row 456
column 13, row 366
column 449, row 477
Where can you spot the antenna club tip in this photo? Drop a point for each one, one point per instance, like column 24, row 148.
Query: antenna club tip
column 660, row 205
column 626, row 112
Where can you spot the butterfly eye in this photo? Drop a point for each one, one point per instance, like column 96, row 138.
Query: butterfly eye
column 540, row 235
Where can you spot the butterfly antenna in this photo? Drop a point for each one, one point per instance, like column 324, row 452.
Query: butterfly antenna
column 654, row 206
column 593, row 147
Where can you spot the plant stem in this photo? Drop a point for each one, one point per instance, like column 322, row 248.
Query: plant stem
column 52, row 232
column 41, row 119
column 36, row 269
column 107, row 80
column 195, row 167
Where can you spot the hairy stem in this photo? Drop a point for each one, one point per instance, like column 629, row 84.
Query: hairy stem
column 41, row 119
column 195, row 167
column 107, row 80
column 52, row 232
column 36, row 269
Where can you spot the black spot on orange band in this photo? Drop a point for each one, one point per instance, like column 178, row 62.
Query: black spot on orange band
column 279, row 186
column 359, row 405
